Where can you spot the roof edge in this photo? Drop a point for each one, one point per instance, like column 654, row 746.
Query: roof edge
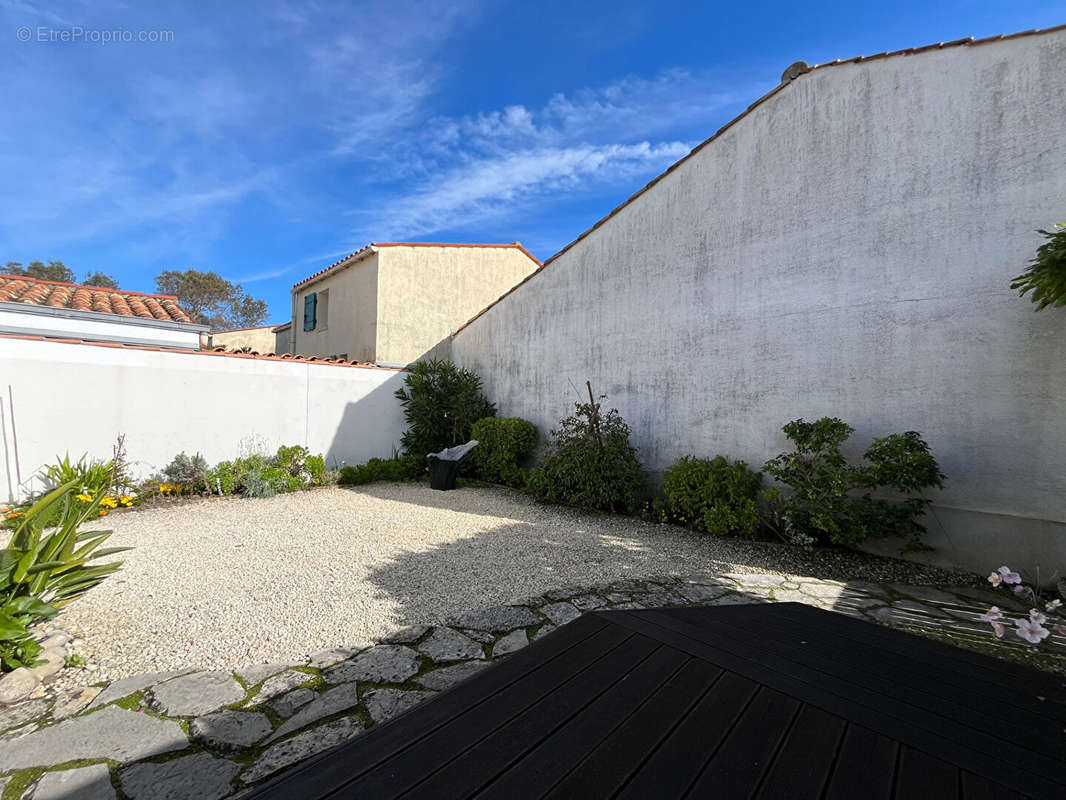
column 217, row 352
column 373, row 247
column 965, row 42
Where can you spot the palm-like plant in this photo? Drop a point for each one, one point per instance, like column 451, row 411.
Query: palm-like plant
column 44, row 567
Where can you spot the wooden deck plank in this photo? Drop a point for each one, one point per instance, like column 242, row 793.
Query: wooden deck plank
column 319, row 775
column 1019, row 716
column 1018, row 691
column 765, row 701
column 676, row 764
column 922, row 775
column 610, row 762
column 756, row 658
column 865, row 766
column 407, row 768
column 553, row 757
column 468, row 772
column 939, row 657
column 737, row 767
column 805, row 761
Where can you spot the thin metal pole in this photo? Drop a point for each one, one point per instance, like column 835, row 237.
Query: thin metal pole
column 14, row 432
column 7, row 457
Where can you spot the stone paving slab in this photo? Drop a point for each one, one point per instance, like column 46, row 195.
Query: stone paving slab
column 240, row 733
column 83, row 783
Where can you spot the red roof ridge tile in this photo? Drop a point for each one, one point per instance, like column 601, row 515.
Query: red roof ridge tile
column 217, row 351
column 968, row 41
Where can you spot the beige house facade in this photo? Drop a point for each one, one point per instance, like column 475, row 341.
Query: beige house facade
column 260, row 339
column 394, row 302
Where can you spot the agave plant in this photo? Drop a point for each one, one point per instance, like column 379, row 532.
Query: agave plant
column 43, row 567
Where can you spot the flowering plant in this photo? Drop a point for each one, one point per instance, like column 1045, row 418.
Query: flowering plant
column 1032, row 628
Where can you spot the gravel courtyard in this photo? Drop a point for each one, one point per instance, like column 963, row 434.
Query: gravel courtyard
column 225, row 582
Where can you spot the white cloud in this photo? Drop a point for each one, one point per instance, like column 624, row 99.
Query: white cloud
column 496, row 187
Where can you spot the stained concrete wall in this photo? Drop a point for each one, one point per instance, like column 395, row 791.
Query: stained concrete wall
column 845, row 249
column 78, row 398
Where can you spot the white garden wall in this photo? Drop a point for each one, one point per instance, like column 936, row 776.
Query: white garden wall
column 845, row 249
column 77, row 398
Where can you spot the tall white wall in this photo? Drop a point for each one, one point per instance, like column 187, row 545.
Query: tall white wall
column 78, row 398
column 845, row 249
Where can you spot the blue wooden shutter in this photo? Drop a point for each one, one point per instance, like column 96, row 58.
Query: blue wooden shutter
column 310, row 307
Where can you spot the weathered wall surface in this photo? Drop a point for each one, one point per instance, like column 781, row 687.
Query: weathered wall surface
column 78, row 398
column 845, row 249
column 350, row 325
column 425, row 293
column 261, row 340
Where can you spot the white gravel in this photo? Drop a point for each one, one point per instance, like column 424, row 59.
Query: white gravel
column 221, row 583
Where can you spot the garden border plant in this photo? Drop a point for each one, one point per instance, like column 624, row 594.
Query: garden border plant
column 820, row 508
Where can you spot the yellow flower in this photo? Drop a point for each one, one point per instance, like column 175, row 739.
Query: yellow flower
column 85, row 498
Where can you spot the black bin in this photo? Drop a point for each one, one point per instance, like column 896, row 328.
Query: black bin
column 442, row 474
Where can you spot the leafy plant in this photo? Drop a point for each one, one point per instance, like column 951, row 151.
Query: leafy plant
column 590, row 463
column 504, row 443
column 258, row 482
column 291, row 458
column 376, row 469
column 90, row 476
column 441, row 402
column 187, row 472
column 316, row 470
column 820, row 507
column 42, row 571
column 714, row 496
column 1046, row 276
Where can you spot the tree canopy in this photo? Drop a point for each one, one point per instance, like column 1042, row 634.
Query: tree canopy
column 212, row 300
column 52, row 271
column 100, row 279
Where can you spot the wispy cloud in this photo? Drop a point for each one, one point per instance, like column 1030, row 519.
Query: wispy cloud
column 491, row 166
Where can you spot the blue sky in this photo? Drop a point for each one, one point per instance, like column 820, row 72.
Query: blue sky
column 267, row 139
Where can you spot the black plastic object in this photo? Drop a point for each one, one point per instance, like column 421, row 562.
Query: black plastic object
column 442, row 474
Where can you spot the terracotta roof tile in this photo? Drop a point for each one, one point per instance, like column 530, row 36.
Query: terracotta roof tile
column 217, row 351
column 54, row 294
column 370, row 247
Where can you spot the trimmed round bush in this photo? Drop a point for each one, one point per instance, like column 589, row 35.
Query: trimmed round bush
column 504, row 443
column 376, row 469
column 714, row 496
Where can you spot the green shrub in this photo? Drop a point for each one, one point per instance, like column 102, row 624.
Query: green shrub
column 590, row 463
column 376, row 469
column 503, row 444
column 820, row 507
column 316, row 470
column 441, row 402
column 714, row 496
column 41, row 571
column 1046, row 276
column 261, row 482
column 188, row 472
column 292, row 458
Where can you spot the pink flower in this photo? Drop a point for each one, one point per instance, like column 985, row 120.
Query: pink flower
column 1037, row 617
column 992, row 615
column 1008, row 575
column 999, row 629
column 1061, row 629
column 1032, row 632
column 1053, row 605
column 995, row 579
column 1022, row 591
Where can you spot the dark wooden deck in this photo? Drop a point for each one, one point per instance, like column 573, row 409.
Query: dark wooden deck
column 745, row 701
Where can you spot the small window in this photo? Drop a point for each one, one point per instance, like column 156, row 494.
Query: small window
column 322, row 310
column 310, row 308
